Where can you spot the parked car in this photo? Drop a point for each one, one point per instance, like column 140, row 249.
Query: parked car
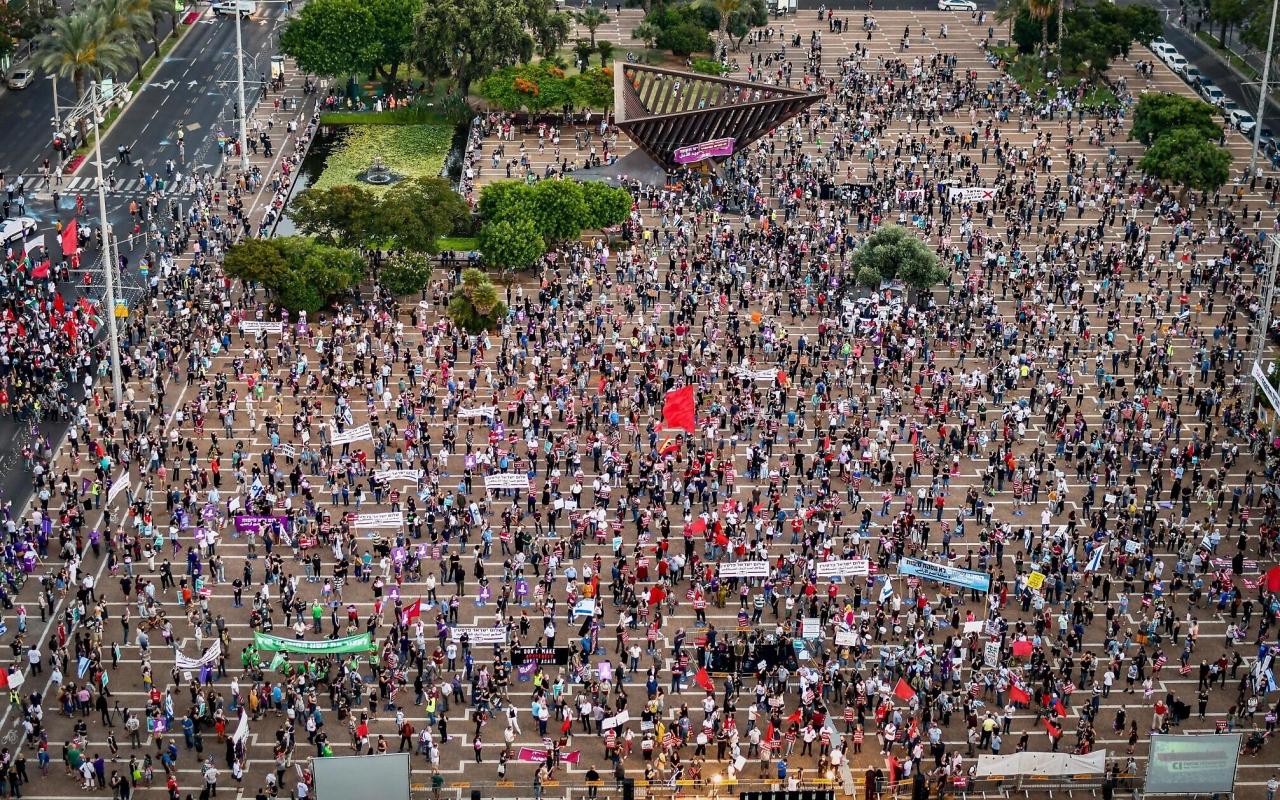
column 1193, row 75
column 1243, row 120
column 1177, row 63
column 1162, row 48
column 21, row 78
column 957, row 5
column 1212, row 94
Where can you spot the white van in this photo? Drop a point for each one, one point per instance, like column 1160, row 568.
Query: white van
column 226, row 7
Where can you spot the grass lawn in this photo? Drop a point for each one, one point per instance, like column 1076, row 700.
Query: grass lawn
column 411, row 151
column 457, row 242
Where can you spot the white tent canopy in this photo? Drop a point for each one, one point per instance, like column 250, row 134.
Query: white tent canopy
column 1042, row 764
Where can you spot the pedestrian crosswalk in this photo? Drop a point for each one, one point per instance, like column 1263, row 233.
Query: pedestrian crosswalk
column 129, row 186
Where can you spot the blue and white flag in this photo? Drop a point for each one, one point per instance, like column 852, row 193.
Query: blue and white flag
column 1095, row 561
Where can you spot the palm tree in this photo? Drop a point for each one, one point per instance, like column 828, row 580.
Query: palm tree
column 591, row 19
column 77, row 46
column 1043, row 10
column 127, row 20
column 1007, row 11
column 155, row 11
column 726, row 9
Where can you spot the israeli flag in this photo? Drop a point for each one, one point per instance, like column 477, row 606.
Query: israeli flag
column 886, row 591
column 1095, row 561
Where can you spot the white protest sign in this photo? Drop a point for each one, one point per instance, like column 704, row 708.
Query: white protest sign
column 481, row 635
column 356, row 434
column 621, row 718
column 379, row 519
column 744, row 569
column 253, row 326
column 991, row 654
column 844, row 568
column 479, row 411
column 506, row 480
column 811, row 628
column 974, row 626
column 971, row 194
column 389, row 475
column 846, row 638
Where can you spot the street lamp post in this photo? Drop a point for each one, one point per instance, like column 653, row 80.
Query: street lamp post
column 1262, row 95
column 244, row 112
column 110, row 257
column 1268, row 296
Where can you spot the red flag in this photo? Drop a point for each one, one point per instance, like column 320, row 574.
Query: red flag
column 1022, row 649
column 59, row 304
column 1060, row 708
column 70, row 238
column 1019, row 695
column 796, row 716
column 904, row 690
column 41, row 271
column 4, row 679
column 704, row 680
column 1053, row 730
column 1273, row 579
column 414, row 611
column 678, row 408
column 669, row 446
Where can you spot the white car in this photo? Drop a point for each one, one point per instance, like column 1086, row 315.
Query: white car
column 16, row 229
column 1162, row 49
column 1212, row 94
column 957, row 5
column 1243, row 120
column 245, row 7
column 1177, row 63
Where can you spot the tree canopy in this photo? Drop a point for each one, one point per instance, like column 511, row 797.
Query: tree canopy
column 468, row 39
column 337, row 38
column 1187, row 158
column 475, row 305
column 511, row 244
column 1158, row 114
column 894, row 252
column 340, row 215
column 299, row 272
column 415, row 214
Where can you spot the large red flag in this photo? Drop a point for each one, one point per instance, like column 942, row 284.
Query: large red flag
column 41, row 270
column 904, row 690
column 1273, row 579
column 704, row 680
column 1054, row 730
column 70, row 238
column 1018, row 695
column 678, row 409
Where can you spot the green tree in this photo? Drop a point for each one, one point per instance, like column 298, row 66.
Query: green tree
column 1043, row 11
column 893, row 252
column 1187, row 158
column 405, row 273
column 1228, row 14
column 606, row 51
column 646, row 32
column 558, row 209
column 724, row 9
column 467, row 39
column 685, row 39
column 340, row 215
column 125, row 20
column 751, row 14
column 414, row 214
column 337, row 38
column 81, row 47
column 302, row 274
column 606, row 206
column 504, row 199
column 593, row 88
column 592, row 19
column 552, row 31
column 475, row 305
column 536, row 87
column 510, row 244
column 1157, row 114
column 393, row 33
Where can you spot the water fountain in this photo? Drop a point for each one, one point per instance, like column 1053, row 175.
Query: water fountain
column 378, row 174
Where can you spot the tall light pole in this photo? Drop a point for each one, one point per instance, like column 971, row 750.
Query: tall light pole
column 1268, row 296
column 1262, row 93
column 109, row 256
column 244, row 112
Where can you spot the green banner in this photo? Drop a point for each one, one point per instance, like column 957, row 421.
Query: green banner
column 361, row 643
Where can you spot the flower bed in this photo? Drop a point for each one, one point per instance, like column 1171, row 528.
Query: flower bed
column 410, row 151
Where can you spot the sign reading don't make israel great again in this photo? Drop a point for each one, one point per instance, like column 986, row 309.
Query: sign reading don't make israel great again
column 694, row 153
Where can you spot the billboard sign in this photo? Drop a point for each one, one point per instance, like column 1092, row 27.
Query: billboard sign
column 694, row 153
column 1190, row 765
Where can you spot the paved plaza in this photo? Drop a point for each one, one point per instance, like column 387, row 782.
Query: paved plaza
column 242, row 426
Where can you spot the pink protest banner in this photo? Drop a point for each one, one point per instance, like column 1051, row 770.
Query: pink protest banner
column 693, row 153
